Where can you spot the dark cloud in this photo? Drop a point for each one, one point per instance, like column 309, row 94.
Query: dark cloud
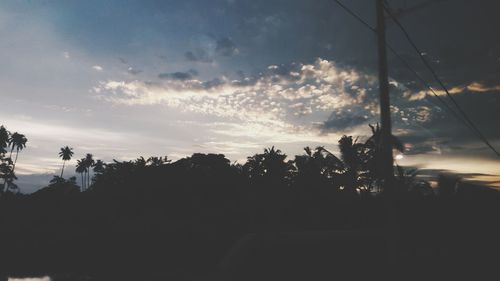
column 188, row 75
column 198, row 55
column 345, row 119
column 443, row 133
column 482, row 109
column 216, row 82
column 226, row 47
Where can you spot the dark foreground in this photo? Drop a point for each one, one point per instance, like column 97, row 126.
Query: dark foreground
column 139, row 239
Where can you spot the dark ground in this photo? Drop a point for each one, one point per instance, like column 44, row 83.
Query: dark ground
column 437, row 238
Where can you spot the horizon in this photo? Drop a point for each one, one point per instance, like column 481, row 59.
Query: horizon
column 234, row 77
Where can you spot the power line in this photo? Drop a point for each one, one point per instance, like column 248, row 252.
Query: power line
column 429, row 87
column 355, row 16
column 465, row 120
column 405, row 63
column 436, row 77
column 426, row 85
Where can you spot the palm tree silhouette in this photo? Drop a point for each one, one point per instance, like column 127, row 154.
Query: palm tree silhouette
column 157, row 161
column 17, row 141
column 271, row 165
column 99, row 167
column 141, row 162
column 6, row 172
column 89, row 163
column 4, row 139
column 66, row 153
column 352, row 154
column 80, row 168
column 372, row 146
column 319, row 162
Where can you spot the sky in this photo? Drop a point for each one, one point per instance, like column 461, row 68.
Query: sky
column 122, row 79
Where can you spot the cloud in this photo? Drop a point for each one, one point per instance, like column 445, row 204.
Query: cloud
column 198, row 55
column 479, row 87
column 133, row 71
column 323, row 96
column 474, row 87
column 97, row 67
column 346, row 118
column 281, row 93
column 226, row 47
column 188, row 75
column 419, row 142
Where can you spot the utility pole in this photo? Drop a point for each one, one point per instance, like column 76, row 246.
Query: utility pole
column 385, row 161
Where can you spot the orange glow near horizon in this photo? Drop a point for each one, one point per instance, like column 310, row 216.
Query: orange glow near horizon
column 486, row 171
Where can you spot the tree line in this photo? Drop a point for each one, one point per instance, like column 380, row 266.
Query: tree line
column 10, row 143
column 355, row 170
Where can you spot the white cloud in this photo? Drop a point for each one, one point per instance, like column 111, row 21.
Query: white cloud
column 287, row 104
column 285, row 92
column 474, row 87
column 97, row 67
column 479, row 87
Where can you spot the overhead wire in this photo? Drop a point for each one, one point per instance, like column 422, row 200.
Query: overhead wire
column 440, row 82
column 460, row 115
column 405, row 63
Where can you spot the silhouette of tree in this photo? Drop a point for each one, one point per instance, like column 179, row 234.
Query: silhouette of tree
column 116, row 175
column 6, row 164
column 321, row 162
column 354, row 173
column 65, row 154
column 372, row 146
column 6, row 173
column 99, row 166
column 58, row 187
column 18, row 142
column 89, row 163
column 80, row 169
column 408, row 181
column 270, row 165
column 56, row 180
column 4, row 139
column 140, row 162
column 157, row 161
column 315, row 184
